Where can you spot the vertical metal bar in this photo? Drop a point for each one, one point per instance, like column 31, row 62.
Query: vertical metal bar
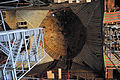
column 32, row 43
column 3, row 23
column 39, row 46
column 2, row 20
column 14, row 39
column 4, row 74
column 43, row 32
column 22, row 64
column 35, row 41
column 13, row 74
column 26, row 51
column 20, row 46
column 18, row 53
column 13, row 64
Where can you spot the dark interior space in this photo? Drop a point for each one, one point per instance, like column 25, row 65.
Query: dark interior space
column 73, row 30
column 116, row 74
column 117, row 3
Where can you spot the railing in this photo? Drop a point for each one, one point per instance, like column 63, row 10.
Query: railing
column 6, row 2
column 112, row 45
column 26, row 50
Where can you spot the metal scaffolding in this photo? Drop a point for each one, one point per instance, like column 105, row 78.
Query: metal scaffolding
column 22, row 55
column 5, row 2
column 24, row 49
column 112, row 44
